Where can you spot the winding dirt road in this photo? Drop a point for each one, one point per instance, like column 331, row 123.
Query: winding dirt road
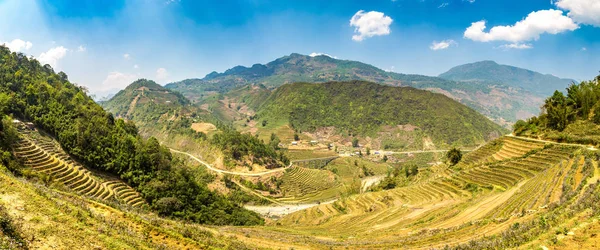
column 229, row 172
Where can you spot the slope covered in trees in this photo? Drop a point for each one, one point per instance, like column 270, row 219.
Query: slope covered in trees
column 144, row 100
column 574, row 117
column 497, row 100
column 96, row 139
column 363, row 108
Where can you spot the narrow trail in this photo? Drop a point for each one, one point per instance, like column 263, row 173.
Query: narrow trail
column 132, row 105
column 229, row 172
column 553, row 142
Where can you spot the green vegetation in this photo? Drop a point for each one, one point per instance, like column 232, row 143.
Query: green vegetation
column 454, row 156
column 242, row 147
column 95, row 138
column 362, row 108
column 510, row 103
column 10, row 232
column 568, row 118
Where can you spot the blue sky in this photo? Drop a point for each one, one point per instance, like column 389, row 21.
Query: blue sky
column 105, row 45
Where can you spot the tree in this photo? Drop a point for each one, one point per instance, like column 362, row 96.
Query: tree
column 264, row 123
column 559, row 113
column 355, row 142
column 385, row 158
column 296, row 137
column 368, row 151
column 454, row 156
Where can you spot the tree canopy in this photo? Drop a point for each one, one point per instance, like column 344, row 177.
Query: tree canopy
column 95, row 138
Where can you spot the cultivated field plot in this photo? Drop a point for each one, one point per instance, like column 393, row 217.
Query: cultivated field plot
column 502, row 188
column 44, row 155
column 305, row 185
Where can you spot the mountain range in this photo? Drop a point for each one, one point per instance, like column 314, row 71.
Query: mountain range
column 502, row 99
column 491, row 72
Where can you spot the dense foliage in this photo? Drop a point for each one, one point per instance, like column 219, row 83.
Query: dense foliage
column 362, row 108
column 95, row 138
column 241, row 147
column 509, row 102
column 454, row 156
column 572, row 117
column 145, row 101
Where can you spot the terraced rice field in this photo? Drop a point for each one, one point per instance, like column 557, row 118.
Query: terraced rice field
column 44, row 155
column 302, row 185
column 498, row 186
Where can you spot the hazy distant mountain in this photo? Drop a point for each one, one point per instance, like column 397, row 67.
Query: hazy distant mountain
column 501, row 102
column 492, row 72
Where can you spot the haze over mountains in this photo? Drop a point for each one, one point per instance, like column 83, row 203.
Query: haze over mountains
column 493, row 73
column 502, row 93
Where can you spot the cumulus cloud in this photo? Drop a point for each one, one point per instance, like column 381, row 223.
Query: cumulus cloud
column 530, row 28
column 81, row 48
column 117, row 80
column 126, row 56
column 161, row 74
column 582, row 11
column 443, row 5
column 369, row 24
column 52, row 56
column 517, row 46
column 442, row 45
column 135, row 66
column 321, row 54
column 18, row 45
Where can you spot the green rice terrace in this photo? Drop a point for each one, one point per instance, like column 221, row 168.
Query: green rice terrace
column 43, row 155
column 511, row 192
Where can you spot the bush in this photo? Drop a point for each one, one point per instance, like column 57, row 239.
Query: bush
column 454, row 156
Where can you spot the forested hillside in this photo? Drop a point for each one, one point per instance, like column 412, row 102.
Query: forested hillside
column 144, row 100
column 166, row 114
column 32, row 92
column 574, row 117
column 364, row 108
column 496, row 100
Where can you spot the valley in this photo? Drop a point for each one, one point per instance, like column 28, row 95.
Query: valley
column 270, row 162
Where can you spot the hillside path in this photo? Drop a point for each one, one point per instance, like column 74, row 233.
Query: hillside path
column 229, row 172
column 553, row 142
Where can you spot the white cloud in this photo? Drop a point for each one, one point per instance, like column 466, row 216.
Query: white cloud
column 582, row 11
column 52, row 56
column 321, row 54
column 117, row 80
column 126, row 56
column 517, row 46
column 161, row 74
column 443, row 5
column 530, row 28
column 81, row 48
column 584, row 49
column 18, row 45
column 442, row 45
column 135, row 66
column 369, row 24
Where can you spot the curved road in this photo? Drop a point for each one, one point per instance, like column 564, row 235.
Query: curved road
column 229, row 172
